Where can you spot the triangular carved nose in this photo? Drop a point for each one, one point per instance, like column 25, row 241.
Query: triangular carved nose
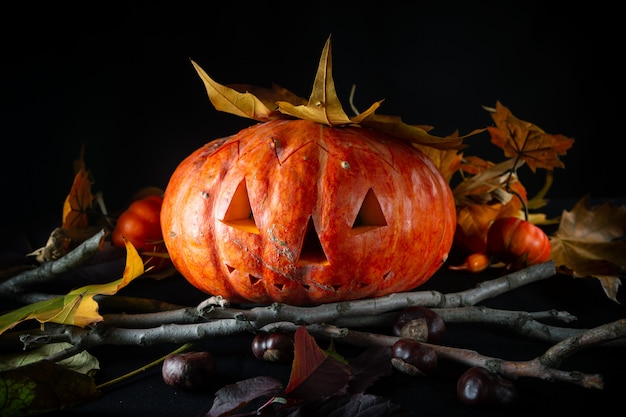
column 311, row 251
column 239, row 213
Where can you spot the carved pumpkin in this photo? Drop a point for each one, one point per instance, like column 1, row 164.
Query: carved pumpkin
column 301, row 212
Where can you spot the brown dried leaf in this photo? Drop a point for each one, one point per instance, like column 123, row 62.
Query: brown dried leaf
column 229, row 100
column 323, row 106
column 394, row 126
column 487, row 184
column 448, row 161
column 591, row 242
column 524, row 140
column 269, row 96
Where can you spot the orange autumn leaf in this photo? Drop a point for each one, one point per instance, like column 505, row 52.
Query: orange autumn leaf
column 473, row 165
column 590, row 243
column 448, row 161
column 79, row 200
column 524, row 140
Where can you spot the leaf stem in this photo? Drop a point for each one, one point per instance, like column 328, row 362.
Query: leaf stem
column 137, row 371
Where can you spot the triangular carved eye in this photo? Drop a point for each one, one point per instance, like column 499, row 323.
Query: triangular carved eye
column 239, row 214
column 311, row 251
column 370, row 215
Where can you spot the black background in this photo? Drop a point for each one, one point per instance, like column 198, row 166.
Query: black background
column 119, row 80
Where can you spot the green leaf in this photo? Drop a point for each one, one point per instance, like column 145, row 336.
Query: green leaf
column 82, row 362
column 41, row 387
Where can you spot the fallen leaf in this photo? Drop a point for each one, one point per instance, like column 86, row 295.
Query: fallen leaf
column 590, row 242
column 314, row 374
column 526, row 141
column 78, row 306
column 41, row 387
column 82, row 362
column 368, row 367
column 235, row 396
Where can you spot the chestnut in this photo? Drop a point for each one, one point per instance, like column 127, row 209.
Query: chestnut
column 273, row 346
column 477, row 386
column 413, row 358
column 191, row 371
column 419, row 323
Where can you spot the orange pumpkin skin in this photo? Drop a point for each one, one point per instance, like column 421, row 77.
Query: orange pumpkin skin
column 297, row 212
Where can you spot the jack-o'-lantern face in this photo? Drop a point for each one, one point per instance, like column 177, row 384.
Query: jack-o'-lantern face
column 298, row 212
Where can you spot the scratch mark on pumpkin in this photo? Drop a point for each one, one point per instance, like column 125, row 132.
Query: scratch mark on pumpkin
column 281, row 245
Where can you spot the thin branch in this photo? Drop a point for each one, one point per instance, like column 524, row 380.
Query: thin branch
column 213, row 318
column 609, row 331
column 536, row 368
column 16, row 286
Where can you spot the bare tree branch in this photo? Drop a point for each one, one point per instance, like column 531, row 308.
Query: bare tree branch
column 215, row 318
column 16, row 286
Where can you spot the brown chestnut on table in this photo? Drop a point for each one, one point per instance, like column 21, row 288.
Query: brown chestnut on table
column 191, row 371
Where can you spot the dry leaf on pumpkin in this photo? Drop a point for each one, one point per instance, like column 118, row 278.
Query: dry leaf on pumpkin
column 394, row 126
column 590, row 243
column 270, row 96
column 322, row 107
column 448, row 161
column 77, row 307
column 229, row 100
column 524, row 140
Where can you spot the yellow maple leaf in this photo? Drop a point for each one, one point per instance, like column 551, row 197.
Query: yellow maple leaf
column 77, row 307
column 590, row 243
